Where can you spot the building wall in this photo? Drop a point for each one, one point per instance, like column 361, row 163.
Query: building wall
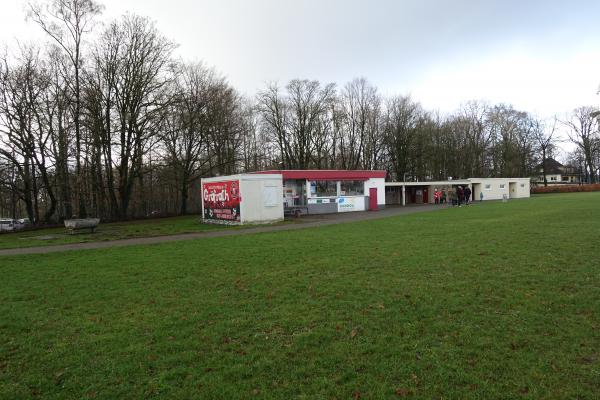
column 522, row 188
column 492, row 188
column 552, row 178
column 519, row 189
column 393, row 195
column 558, row 179
column 322, row 208
column 378, row 183
column 227, row 178
column 349, row 203
column 262, row 198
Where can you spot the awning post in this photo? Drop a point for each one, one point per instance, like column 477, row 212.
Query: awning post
column 403, row 195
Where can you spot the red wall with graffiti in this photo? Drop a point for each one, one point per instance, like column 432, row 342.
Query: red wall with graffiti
column 222, row 200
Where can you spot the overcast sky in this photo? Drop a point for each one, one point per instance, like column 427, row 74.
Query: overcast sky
column 540, row 56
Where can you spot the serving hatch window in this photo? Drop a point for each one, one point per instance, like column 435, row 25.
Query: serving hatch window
column 324, row 188
column 352, row 188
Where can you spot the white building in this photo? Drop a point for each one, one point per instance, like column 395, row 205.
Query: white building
column 499, row 188
column 242, row 199
column 423, row 192
column 557, row 173
column 265, row 196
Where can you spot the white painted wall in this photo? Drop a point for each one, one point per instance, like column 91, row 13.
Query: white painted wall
column 262, row 198
column 496, row 188
column 522, row 189
column 378, row 183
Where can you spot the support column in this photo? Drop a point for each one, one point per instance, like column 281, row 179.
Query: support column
column 403, row 195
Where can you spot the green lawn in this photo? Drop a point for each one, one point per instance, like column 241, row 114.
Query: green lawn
column 494, row 301
column 106, row 231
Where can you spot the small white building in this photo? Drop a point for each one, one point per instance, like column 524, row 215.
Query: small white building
column 264, row 197
column 499, row 188
column 242, row 199
column 331, row 191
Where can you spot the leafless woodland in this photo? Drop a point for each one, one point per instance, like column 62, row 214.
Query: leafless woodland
column 103, row 120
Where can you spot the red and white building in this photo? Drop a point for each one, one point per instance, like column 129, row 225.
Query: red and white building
column 266, row 196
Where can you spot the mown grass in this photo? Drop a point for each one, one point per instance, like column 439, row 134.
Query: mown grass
column 494, row 301
column 106, row 231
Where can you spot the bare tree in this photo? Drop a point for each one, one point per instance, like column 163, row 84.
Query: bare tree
column 273, row 108
column 545, row 137
column 186, row 125
column 401, row 122
column 294, row 120
column 475, row 138
column 357, row 104
column 67, row 22
column 511, row 141
column 133, row 64
column 57, row 100
column 225, row 114
column 26, row 134
column 583, row 132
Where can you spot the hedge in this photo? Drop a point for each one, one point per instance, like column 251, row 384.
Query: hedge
column 566, row 188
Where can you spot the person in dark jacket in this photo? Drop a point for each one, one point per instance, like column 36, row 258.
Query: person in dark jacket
column 467, row 195
column 460, row 194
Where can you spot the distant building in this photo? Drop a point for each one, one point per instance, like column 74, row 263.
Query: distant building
column 556, row 173
column 481, row 189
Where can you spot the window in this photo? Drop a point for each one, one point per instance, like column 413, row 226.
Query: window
column 271, row 196
column 502, row 185
column 352, row 188
column 522, row 185
column 488, row 187
column 324, row 188
column 552, row 178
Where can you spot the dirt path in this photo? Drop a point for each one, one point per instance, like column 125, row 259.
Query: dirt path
column 311, row 221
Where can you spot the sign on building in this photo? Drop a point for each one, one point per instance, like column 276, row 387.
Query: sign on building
column 222, row 200
column 351, row 204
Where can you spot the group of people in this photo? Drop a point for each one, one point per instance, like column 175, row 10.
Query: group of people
column 455, row 196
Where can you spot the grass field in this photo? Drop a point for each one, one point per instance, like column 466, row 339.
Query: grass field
column 494, row 301
column 107, row 231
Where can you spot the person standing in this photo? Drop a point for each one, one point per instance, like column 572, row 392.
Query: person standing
column 453, row 197
column 460, row 194
column 467, row 195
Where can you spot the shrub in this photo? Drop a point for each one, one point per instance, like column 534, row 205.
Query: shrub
column 566, row 188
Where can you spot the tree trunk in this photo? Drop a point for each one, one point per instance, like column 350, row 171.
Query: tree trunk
column 544, row 167
column 184, row 193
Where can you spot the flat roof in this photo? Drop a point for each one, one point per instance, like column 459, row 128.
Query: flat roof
column 326, row 174
column 455, row 182
column 430, row 183
column 478, row 180
column 240, row 177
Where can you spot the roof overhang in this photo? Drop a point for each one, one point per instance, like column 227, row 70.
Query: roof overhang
column 431, row 183
column 314, row 174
